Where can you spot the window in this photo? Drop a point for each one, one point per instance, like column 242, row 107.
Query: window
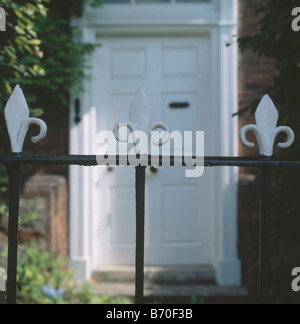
column 156, row 12
column 153, row 1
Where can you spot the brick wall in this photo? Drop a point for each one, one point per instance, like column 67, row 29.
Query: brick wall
column 56, row 142
column 256, row 73
column 46, row 195
column 45, row 189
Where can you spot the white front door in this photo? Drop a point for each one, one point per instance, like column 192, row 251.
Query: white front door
column 178, row 210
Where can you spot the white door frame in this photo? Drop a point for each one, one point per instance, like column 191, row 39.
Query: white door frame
column 224, row 96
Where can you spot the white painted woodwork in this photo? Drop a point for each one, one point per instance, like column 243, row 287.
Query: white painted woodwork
column 18, row 121
column 141, row 47
column 266, row 129
column 168, row 226
column 152, row 14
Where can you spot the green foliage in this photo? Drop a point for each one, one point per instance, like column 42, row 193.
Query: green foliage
column 46, row 56
column 277, row 40
column 64, row 60
column 19, row 49
column 74, row 7
column 23, row 220
column 37, row 270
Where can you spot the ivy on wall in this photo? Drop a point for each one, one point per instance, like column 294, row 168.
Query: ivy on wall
column 42, row 52
column 276, row 39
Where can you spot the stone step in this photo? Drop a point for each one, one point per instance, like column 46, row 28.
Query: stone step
column 178, row 275
column 171, row 291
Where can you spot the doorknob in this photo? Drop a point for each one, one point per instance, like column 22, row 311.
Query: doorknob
column 110, row 169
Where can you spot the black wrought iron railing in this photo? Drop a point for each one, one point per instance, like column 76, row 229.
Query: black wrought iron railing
column 265, row 131
column 14, row 163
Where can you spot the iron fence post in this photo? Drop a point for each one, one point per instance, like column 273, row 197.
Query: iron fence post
column 13, row 226
column 140, row 233
column 264, row 258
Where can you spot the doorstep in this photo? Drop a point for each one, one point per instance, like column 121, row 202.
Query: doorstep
column 163, row 283
column 171, row 290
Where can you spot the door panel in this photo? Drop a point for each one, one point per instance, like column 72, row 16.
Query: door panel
column 128, row 63
column 179, row 61
column 122, row 203
column 180, row 215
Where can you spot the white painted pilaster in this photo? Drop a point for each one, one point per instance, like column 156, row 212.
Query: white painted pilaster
column 227, row 264
column 82, row 141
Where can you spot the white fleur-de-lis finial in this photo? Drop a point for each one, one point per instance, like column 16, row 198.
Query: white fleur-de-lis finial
column 141, row 120
column 18, row 121
column 266, row 128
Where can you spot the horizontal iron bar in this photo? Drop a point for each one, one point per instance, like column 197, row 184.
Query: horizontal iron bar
column 93, row 160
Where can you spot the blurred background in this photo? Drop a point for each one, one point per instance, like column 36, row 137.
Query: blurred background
column 79, row 64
